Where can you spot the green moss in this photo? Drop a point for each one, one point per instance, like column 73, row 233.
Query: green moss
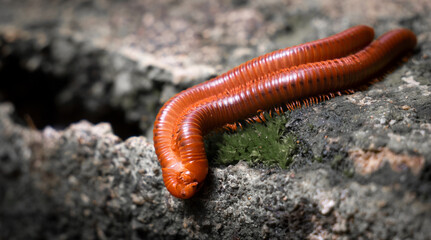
column 349, row 172
column 336, row 160
column 318, row 159
column 267, row 143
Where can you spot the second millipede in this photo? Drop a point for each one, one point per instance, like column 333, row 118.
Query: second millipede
column 307, row 71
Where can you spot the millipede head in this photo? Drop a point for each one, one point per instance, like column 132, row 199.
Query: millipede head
column 180, row 184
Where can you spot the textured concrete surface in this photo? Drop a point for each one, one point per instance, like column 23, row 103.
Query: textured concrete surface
column 364, row 165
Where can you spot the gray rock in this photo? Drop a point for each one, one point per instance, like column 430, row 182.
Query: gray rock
column 113, row 63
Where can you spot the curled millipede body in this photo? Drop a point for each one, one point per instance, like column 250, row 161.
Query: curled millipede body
column 275, row 79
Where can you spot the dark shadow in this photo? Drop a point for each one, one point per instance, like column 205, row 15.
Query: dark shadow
column 35, row 96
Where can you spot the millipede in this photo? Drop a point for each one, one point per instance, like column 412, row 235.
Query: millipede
column 309, row 72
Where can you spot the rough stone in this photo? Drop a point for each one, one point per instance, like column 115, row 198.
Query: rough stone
column 81, row 80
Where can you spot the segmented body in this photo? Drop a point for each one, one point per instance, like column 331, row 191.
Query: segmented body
column 263, row 83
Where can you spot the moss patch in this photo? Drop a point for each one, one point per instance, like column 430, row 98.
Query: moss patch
column 260, row 143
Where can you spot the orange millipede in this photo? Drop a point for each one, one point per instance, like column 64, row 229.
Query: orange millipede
column 277, row 78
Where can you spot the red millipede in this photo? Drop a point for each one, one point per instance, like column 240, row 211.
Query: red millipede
column 281, row 77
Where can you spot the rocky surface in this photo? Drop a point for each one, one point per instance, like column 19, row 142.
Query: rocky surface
column 364, row 166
